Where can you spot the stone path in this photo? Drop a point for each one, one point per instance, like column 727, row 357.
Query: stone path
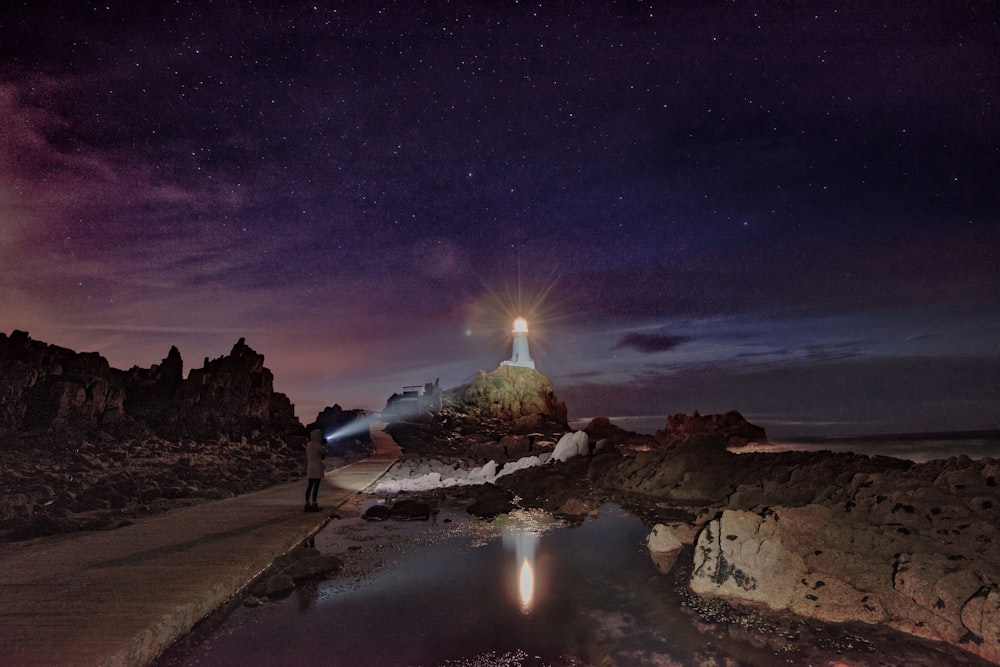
column 121, row 597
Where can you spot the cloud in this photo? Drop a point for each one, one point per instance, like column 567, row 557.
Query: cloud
column 650, row 343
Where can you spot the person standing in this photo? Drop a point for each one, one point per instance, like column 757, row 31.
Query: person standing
column 315, row 453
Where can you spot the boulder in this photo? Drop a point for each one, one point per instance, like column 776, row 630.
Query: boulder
column 311, row 567
column 741, row 555
column 664, row 547
column 573, row 507
column 571, row 445
column 832, row 565
column 515, row 446
column 486, row 451
column 278, row 585
column 490, row 501
column 663, row 540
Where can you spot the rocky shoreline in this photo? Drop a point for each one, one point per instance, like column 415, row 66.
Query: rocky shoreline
column 824, row 536
column 84, row 446
column 55, row 485
column 714, row 630
column 831, row 537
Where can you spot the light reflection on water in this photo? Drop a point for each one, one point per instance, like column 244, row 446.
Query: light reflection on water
column 521, row 533
column 526, row 585
column 423, row 595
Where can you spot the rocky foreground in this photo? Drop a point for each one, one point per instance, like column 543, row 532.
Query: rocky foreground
column 84, row 446
column 65, row 485
column 832, row 537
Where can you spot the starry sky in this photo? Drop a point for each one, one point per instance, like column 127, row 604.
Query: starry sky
column 789, row 209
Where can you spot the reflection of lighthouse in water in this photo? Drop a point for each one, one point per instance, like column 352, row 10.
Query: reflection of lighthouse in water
column 519, row 354
column 521, row 532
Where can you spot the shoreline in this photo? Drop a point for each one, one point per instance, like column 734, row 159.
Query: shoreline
column 653, row 423
column 369, row 548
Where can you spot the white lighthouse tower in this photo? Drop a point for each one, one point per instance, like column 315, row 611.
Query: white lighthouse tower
column 519, row 354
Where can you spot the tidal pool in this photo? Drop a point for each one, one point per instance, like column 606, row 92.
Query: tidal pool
column 520, row 591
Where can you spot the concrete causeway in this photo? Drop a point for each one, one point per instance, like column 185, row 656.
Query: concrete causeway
column 120, row 597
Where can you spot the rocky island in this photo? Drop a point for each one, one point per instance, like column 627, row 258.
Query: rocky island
column 831, row 537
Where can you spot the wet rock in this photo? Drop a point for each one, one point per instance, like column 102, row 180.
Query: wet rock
column 278, row 585
column 491, row 500
column 740, row 555
column 376, row 513
column 486, row 451
column 787, row 558
column 825, row 563
column 574, row 507
column 663, row 540
column 312, row 567
column 664, row 547
column 410, row 510
column 515, row 446
column 830, row 536
column 981, row 615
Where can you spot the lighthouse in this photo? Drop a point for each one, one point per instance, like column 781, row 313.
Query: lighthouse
column 519, row 354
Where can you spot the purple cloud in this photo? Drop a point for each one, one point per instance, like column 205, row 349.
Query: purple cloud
column 651, row 343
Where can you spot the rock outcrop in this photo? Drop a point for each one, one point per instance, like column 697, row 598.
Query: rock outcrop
column 838, row 537
column 44, row 386
column 232, row 394
column 664, row 547
column 87, row 446
column 347, row 434
column 730, row 426
column 500, row 416
column 301, row 564
column 833, row 537
column 916, row 549
column 512, row 392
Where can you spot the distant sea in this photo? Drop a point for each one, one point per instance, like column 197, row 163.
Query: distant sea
column 918, row 447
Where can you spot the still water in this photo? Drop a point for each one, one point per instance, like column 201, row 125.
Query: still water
column 915, row 447
column 917, row 450
column 521, row 591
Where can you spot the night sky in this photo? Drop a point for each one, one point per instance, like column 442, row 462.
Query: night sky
column 787, row 208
